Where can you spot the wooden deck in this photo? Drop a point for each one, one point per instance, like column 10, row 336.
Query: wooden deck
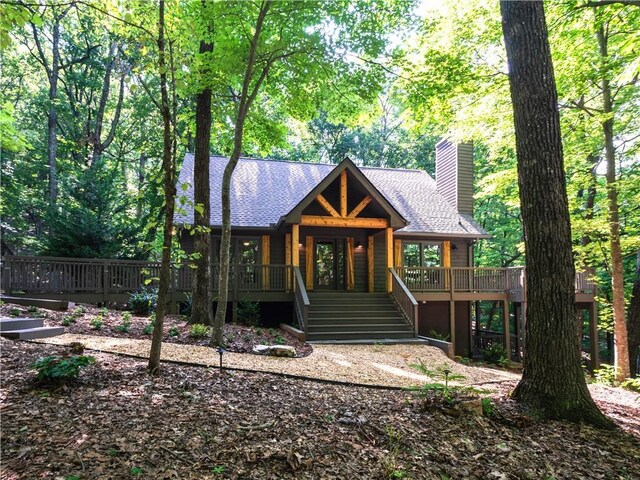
column 105, row 281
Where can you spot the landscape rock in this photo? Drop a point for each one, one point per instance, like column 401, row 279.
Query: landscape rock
column 275, row 350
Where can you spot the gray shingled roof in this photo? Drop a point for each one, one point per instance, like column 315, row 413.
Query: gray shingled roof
column 263, row 191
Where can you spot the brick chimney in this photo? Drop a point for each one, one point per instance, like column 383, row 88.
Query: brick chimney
column 454, row 174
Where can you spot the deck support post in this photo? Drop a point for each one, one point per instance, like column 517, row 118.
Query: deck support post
column 452, row 324
column 593, row 336
column 506, row 328
column 371, row 279
column 389, row 245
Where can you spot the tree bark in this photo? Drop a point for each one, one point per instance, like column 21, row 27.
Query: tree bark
column 552, row 382
column 621, row 350
column 634, row 322
column 202, row 307
column 247, row 97
column 168, row 166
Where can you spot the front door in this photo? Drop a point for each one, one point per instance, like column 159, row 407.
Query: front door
column 329, row 271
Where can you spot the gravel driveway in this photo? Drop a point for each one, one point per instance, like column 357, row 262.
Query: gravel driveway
column 384, row 365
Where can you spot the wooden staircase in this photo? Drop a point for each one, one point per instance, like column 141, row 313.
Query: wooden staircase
column 340, row 316
column 27, row 328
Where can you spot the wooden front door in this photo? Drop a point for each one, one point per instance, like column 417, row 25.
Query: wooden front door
column 329, row 265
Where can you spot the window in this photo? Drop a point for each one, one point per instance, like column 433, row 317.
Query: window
column 421, row 254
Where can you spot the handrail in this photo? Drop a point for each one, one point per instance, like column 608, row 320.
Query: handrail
column 301, row 300
column 405, row 301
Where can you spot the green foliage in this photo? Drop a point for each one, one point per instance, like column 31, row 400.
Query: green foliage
column 439, row 336
column 103, row 311
column 135, row 471
column 279, row 340
column 126, row 324
column 487, row 407
column 495, row 353
column 632, row 384
column 218, row 470
column 60, row 369
column 67, row 320
column 15, row 312
column 174, row 332
column 249, row 313
column 197, row 330
column 96, row 323
column 32, row 309
column 606, row 375
column 143, row 302
column 148, row 329
column 391, row 467
column 79, row 310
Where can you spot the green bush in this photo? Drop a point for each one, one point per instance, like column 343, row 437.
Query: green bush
column 68, row 320
column 174, row 332
column 61, row 369
column 148, row 329
column 143, row 302
column 198, row 330
column 249, row 313
column 103, row 311
column 79, row 310
column 279, row 340
column 495, row 353
column 15, row 312
column 632, row 384
column 126, row 324
column 96, row 323
column 606, row 375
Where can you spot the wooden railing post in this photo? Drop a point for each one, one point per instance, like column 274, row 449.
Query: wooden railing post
column 105, row 281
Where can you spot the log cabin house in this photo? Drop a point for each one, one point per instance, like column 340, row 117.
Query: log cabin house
column 358, row 253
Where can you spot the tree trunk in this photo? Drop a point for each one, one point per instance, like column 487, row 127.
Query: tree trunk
column 168, row 166
column 617, row 275
column 201, row 307
column 142, row 164
column 634, row 321
column 247, row 97
column 552, row 382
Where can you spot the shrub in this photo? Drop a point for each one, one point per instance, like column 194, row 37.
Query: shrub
column 126, row 317
column 174, row 332
column 79, row 310
column 606, row 375
column 632, row 384
column 61, row 369
column 249, row 313
column 126, row 324
column 148, row 329
column 103, row 311
column 32, row 309
column 143, row 302
column 198, row 330
column 15, row 312
column 495, row 353
column 96, row 323
column 279, row 340
column 68, row 320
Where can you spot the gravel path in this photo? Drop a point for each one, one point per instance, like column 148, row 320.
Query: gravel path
column 385, row 365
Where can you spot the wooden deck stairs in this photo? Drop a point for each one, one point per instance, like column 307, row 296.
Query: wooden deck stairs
column 343, row 316
column 27, row 328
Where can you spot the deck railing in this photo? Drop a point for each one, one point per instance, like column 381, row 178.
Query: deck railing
column 41, row 275
column 301, row 300
column 405, row 301
column 484, row 339
column 474, row 279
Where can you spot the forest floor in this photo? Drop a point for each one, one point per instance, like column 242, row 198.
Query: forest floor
column 117, row 422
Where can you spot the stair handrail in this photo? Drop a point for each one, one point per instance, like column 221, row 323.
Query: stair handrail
column 405, row 300
column 301, row 300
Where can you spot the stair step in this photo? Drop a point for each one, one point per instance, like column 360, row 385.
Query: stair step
column 342, row 320
column 362, row 327
column 19, row 323
column 351, row 335
column 30, row 333
column 39, row 302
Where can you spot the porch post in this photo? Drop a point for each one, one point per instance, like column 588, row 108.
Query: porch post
column 593, row 334
column 309, row 257
column 287, row 258
column 452, row 324
column 350, row 263
column 506, row 329
column 295, row 242
column 389, row 245
column 371, row 279
column 266, row 260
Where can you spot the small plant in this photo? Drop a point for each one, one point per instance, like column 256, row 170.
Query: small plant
column 198, row 330
column 58, row 369
column 441, row 393
column 249, row 313
column 126, row 317
column 279, row 340
column 15, row 312
column 174, row 332
column 103, row 311
column 148, row 329
column 113, row 452
column 439, row 336
column 391, row 467
column 79, row 310
column 135, row 471
column 68, row 320
column 126, row 324
column 272, row 332
column 606, row 375
column 72, row 477
column 487, row 407
column 496, row 354
column 143, row 302
column 218, row 470
column 632, row 384
column 96, row 323
column 32, row 309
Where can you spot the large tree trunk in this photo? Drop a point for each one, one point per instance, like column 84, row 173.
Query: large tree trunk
column 247, row 97
column 634, row 321
column 552, row 382
column 617, row 275
column 201, row 308
column 168, row 166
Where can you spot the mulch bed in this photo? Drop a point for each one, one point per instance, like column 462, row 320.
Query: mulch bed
column 238, row 338
column 118, row 422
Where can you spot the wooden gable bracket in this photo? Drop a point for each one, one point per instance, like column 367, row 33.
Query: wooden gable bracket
column 327, row 206
column 365, row 201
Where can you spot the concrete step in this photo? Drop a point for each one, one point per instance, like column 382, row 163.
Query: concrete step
column 30, row 333
column 354, row 335
column 361, row 327
column 39, row 302
column 19, row 323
